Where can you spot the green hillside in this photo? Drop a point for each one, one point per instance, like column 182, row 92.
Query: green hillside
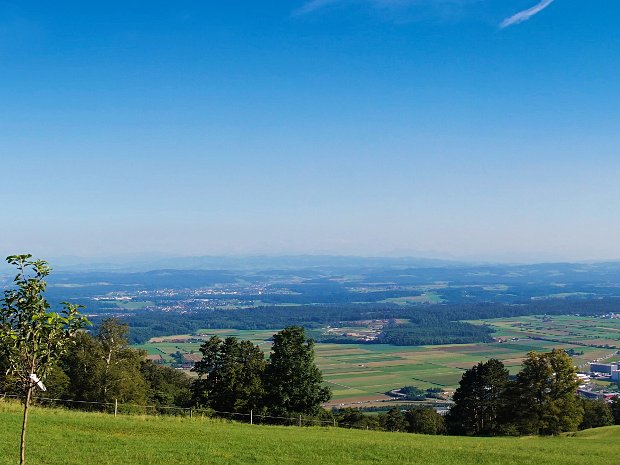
column 62, row 437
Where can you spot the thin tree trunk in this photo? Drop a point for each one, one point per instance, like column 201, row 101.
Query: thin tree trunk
column 22, row 449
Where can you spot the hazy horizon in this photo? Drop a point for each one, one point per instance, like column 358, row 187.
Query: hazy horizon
column 149, row 262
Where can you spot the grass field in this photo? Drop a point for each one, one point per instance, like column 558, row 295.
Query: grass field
column 362, row 373
column 58, row 437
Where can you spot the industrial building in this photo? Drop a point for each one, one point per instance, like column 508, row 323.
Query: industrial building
column 604, row 368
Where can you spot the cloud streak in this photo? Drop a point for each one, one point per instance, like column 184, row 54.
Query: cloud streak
column 525, row 14
column 313, row 5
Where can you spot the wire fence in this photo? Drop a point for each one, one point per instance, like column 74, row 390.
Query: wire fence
column 117, row 408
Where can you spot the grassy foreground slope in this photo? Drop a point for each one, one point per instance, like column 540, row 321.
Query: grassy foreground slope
column 61, row 437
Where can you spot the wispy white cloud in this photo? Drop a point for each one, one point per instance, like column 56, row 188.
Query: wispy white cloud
column 525, row 14
column 445, row 6
column 313, row 5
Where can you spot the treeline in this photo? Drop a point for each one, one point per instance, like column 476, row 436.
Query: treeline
column 542, row 399
column 426, row 420
column 102, row 368
column 145, row 325
column 419, row 420
column 233, row 376
column 425, row 332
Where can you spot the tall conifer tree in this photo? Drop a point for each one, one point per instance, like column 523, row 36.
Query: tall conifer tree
column 293, row 382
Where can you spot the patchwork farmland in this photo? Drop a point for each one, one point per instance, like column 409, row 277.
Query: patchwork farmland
column 361, row 374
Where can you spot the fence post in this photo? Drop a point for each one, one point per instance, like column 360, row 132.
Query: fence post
column 299, row 420
column 251, row 417
column 191, row 414
column 115, row 407
column 334, row 422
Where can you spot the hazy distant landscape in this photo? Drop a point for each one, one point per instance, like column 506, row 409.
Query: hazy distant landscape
column 333, row 280
column 381, row 323
column 329, row 289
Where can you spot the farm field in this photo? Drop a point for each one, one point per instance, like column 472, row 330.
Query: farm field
column 590, row 333
column 190, row 343
column 63, row 437
column 362, row 373
column 425, row 298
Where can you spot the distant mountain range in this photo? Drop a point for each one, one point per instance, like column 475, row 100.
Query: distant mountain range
column 280, row 262
column 249, row 262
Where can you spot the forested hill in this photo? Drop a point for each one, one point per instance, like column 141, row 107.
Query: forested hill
column 360, row 281
column 425, row 323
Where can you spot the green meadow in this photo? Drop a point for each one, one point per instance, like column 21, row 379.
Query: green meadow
column 60, row 437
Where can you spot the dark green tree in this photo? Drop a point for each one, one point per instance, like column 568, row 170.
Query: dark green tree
column 615, row 409
column 479, row 400
column 57, row 383
column 425, row 420
column 293, row 382
column 325, row 417
column 543, row 398
column 33, row 338
column 104, row 368
column 394, row 420
column 596, row 413
column 351, row 418
column 84, row 365
column 120, row 378
column 7, row 385
column 166, row 386
column 355, row 418
column 230, row 375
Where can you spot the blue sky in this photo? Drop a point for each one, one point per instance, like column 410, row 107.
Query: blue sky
column 482, row 129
